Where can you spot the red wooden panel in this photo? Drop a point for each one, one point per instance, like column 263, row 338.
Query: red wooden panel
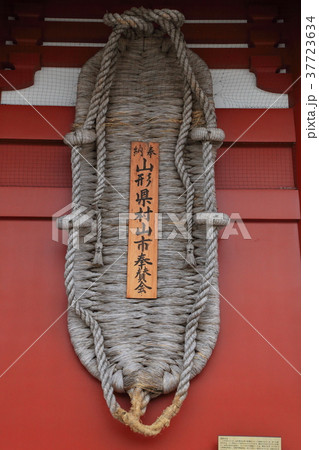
column 3, row 24
column 257, row 125
column 18, row 79
column 33, row 202
column 260, row 204
column 265, row 63
column 242, row 125
column 23, row 67
column 270, row 204
column 252, row 167
column 26, row 35
column 239, row 167
column 266, row 35
column 96, row 9
column 246, row 388
column 22, row 61
column 28, row 11
column 265, row 68
column 35, row 165
column 261, row 12
column 275, row 82
column 37, row 123
column 99, row 32
column 216, row 58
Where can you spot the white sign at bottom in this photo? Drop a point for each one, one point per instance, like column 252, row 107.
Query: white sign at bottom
column 249, row 443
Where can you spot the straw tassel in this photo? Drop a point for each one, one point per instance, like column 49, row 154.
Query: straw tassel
column 98, row 255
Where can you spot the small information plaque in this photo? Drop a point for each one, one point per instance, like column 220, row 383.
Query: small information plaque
column 142, row 238
column 249, row 443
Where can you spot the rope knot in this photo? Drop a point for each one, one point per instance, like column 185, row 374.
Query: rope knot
column 140, row 20
column 205, row 134
column 173, row 16
column 127, row 22
column 80, row 137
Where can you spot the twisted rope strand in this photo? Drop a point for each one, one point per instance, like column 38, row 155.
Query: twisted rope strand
column 180, row 166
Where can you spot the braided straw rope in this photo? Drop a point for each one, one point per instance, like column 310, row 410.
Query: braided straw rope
column 144, row 347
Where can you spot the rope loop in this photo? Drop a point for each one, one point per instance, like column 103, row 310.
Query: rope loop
column 80, row 137
column 209, row 135
column 139, row 402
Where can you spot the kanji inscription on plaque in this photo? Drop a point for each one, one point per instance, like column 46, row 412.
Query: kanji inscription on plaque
column 143, row 209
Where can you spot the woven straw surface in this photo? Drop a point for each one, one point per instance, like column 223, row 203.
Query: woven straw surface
column 143, row 338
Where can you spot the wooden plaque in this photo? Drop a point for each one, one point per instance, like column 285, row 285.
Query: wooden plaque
column 143, row 209
column 249, row 443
